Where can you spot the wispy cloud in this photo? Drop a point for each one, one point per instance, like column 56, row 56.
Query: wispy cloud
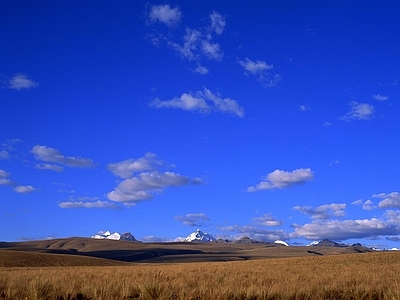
column 323, row 212
column 359, row 111
column 366, row 205
column 51, row 167
column 193, row 220
column 87, row 202
column 380, row 97
column 304, row 108
column 202, row 101
column 256, row 233
column 24, row 189
column 260, row 68
column 196, row 43
column 142, row 181
column 51, row 155
column 279, row 179
column 267, row 220
column 21, row 81
column 201, row 70
column 165, row 14
column 391, row 200
column 4, row 178
column 346, row 229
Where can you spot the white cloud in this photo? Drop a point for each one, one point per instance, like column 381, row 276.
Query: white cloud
column 217, row 22
column 196, row 220
column 391, row 200
column 49, row 167
column 127, row 168
column 304, row 108
column 380, row 97
column 254, row 67
column 24, row 189
column 4, row 178
column 283, row 179
column 347, row 229
column 258, row 234
column 165, row 14
column 211, row 50
column 366, row 205
column 52, row 155
column 267, row 220
column 87, row 204
column 202, row 101
column 323, row 212
column 201, row 70
column 359, row 111
column 260, row 68
column 21, row 81
column 4, row 154
column 142, row 180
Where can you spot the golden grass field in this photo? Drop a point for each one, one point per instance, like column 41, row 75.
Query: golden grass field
column 373, row 275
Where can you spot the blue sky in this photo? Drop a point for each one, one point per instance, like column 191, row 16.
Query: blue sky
column 273, row 120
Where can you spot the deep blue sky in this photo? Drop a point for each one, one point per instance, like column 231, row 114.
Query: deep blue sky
column 270, row 120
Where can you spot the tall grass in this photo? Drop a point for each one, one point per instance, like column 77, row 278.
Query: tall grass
column 358, row 276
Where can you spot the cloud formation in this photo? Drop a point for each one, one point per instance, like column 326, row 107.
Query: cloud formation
column 267, row 220
column 4, row 178
column 323, row 212
column 193, row 220
column 51, row 155
column 165, row 14
column 391, row 200
column 279, row 179
column 84, row 202
column 21, row 81
column 380, row 97
column 24, row 189
column 260, row 68
column 142, row 181
column 346, row 229
column 202, row 101
column 366, row 205
column 359, row 111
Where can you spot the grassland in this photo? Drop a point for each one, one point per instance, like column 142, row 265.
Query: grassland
column 350, row 276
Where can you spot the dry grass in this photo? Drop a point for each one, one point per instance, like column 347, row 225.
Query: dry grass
column 353, row 276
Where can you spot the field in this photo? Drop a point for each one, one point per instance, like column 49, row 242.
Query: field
column 372, row 275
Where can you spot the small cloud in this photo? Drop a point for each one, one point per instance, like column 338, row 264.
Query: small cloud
column 201, row 70
column 359, row 111
column 4, row 154
column 165, row 14
column 4, row 178
column 323, row 212
column 193, row 220
column 267, row 220
column 304, row 108
column 334, row 163
column 279, row 179
column 24, row 189
column 143, row 179
column 202, row 101
column 368, row 205
column 217, row 22
column 87, row 202
column 21, row 81
column 380, row 97
column 49, row 167
column 391, row 200
column 327, row 124
column 254, row 67
column 52, row 155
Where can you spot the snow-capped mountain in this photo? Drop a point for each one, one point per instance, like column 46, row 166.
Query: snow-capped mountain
column 281, row 243
column 314, row 243
column 199, row 236
column 127, row 236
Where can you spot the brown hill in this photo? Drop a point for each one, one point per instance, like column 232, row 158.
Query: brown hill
column 86, row 251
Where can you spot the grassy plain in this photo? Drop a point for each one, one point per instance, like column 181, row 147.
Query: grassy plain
column 349, row 276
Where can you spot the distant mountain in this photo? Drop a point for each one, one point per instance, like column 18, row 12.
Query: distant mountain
column 127, row 236
column 199, row 236
column 246, row 240
column 329, row 243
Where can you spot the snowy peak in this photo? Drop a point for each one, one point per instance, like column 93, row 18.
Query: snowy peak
column 199, row 236
column 281, row 243
column 107, row 235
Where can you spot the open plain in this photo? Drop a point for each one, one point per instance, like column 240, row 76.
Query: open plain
column 79, row 268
